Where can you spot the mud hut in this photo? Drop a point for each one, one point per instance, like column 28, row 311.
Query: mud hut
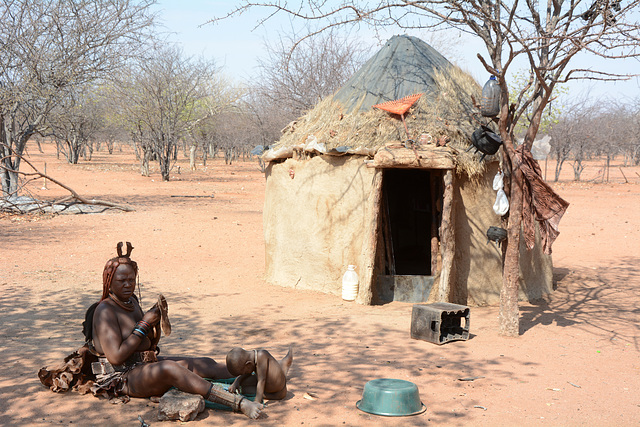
column 408, row 206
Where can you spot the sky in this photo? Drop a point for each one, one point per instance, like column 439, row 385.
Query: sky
column 236, row 45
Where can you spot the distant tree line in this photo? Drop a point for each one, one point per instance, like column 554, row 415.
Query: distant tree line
column 92, row 75
column 596, row 129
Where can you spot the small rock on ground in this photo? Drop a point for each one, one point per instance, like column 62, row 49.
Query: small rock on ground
column 176, row 404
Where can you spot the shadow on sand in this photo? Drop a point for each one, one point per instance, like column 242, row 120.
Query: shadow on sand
column 338, row 346
column 595, row 297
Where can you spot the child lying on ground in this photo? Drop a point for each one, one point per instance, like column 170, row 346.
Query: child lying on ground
column 270, row 380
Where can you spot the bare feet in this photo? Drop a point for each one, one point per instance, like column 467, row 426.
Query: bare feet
column 287, row 361
column 251, row 409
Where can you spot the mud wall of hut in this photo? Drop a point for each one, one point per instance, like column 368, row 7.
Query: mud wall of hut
column 314, row 220
column 317, row 216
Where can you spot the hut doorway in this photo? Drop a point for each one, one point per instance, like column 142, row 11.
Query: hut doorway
column 410, row 219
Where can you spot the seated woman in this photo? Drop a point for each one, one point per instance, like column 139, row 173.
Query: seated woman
column 124, row 339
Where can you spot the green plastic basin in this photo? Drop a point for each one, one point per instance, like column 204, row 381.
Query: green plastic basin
column 391, row 397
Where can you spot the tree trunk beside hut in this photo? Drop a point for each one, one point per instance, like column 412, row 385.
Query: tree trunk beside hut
column 509, row 312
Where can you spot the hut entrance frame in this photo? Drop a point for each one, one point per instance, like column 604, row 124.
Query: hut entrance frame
column 410, row 217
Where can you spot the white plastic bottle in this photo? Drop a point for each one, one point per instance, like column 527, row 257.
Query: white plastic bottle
column 350, row 284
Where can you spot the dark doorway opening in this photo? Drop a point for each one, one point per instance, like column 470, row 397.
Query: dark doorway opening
column 411, row 220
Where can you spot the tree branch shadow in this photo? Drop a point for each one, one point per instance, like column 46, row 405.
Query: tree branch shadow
column 597, row 298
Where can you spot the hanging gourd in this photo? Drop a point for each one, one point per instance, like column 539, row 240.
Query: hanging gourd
column 490, row 105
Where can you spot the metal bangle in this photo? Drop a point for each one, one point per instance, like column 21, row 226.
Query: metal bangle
column 143, row 328
column 140, row 333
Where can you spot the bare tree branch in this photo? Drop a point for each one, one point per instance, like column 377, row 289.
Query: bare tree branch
column 74, row 197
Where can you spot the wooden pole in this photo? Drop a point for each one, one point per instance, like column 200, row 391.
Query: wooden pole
column 44, row 186
column 387, row 238
column 623, row 175
column 372, row 226
column 447, row 238
column 433, row 176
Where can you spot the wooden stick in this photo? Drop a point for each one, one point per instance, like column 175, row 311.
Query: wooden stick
column 387, row 237
column 426, row 157
column 434, row 223
column 625, row 178
column 44, row 186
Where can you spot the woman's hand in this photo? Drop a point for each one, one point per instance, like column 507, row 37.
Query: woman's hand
column 154, row 337
column 152, row 316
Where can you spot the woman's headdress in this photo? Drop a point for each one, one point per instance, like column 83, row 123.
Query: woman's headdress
column 112, row 265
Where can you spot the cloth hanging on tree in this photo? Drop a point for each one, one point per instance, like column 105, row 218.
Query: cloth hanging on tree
column 501, row 206
column 540, row 203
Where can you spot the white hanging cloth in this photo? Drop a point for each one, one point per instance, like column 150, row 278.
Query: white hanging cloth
column 501, row 206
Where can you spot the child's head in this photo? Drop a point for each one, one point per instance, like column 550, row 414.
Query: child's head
column 237, row 361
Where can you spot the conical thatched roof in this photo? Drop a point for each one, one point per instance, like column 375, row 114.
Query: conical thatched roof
column 404, row 66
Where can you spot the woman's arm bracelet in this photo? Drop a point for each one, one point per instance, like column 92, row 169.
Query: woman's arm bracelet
column 143, row 326
column 139, row 332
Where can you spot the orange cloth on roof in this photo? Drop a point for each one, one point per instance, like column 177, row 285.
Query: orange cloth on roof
column 399, row 106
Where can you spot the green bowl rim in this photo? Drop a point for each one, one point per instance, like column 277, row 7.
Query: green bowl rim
column 424, row 408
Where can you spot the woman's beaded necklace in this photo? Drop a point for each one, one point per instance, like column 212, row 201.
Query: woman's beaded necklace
column 128, row 305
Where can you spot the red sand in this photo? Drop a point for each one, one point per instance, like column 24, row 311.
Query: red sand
column 575, row 363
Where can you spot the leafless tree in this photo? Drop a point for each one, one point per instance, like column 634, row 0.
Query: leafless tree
column 160, row 98
column 292, row 81
column 232, row 135
column 110, row 133
column 624, row 123
column 608, row 137
column 265, row 120
column 594, row 128
column 202, row 136
column 571, row 135
column 548, row 35
column 49, row 47
column 222, row 96
column 75, row 121
column 581, row 150
column 635, row 144
column 112, row 128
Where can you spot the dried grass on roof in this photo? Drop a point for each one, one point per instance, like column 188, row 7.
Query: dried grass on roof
column 450, row 116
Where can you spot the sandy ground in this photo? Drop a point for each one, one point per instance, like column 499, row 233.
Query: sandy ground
column 575, row 363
